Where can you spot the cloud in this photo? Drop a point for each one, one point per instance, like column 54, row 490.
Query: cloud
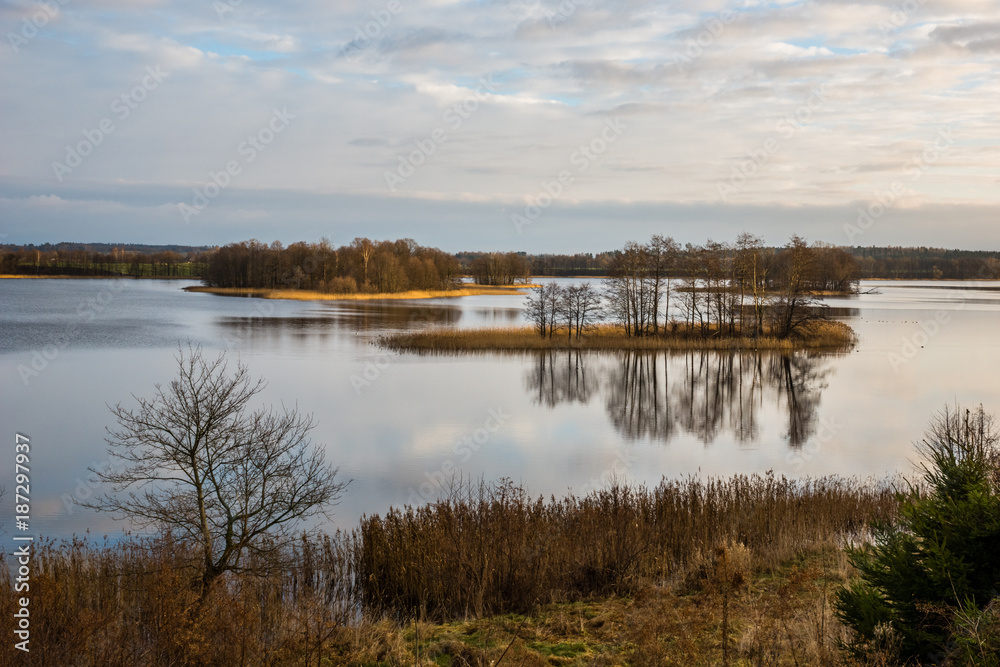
column 700, row 96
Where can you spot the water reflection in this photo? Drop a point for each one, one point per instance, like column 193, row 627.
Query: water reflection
column 262, row 326
column 660, row 395
column 381, row 315
column 559, row 377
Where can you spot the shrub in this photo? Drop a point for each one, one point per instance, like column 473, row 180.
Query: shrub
column 930, row 575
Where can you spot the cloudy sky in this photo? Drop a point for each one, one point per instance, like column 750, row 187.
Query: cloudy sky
column 543, row 125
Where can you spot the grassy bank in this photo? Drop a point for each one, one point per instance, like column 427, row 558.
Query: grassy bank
column 821, row 334
column 779, row 617
column 306, row 295
column 621, row 576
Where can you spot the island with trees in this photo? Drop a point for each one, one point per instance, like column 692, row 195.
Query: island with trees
column 658, row 297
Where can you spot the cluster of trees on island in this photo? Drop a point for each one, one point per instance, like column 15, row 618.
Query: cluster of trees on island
column 743, row 289
column 362, row 266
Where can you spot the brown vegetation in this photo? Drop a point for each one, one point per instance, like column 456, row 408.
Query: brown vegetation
column 620, row 576
column 364, row 266
column 818, row 334
column 306, row 295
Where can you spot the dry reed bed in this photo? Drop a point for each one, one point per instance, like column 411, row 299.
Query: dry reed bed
column 492, row 549
column 307, row 295
column 489, row 549
column 818, row 335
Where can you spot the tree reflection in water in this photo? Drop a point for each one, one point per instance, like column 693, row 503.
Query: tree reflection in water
column 659, row 395
column 560, row 376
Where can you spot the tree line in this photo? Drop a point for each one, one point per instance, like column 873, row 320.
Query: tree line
column 361, row 266
column 739, row 289
column 487, row 268
column 83, row 260
column 872, row 263
column 499, row 268
column 926, row 264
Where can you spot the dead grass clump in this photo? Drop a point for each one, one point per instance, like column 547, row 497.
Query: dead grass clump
column 819, row 335
column 492, row 549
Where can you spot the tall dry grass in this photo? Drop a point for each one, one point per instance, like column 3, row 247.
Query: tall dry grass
column 818, row 335
column 307, row 295
column 348, row 598
column 492, row 549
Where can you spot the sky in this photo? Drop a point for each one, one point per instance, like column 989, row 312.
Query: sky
column 543, row 126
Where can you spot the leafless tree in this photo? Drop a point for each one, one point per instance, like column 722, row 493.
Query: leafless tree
column 749, row 278
column 196, row 461
column 629, row 290
column 662, row 253
column 581, row 308
column 544, row 308
column 794, row 305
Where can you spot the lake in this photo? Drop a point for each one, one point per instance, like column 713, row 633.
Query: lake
column 400, row 425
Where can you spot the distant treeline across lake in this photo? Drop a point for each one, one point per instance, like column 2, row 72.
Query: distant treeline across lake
column 392, row 266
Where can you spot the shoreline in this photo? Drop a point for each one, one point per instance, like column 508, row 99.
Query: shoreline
column 14, row 276
column 18, row 276
column 821, row 335
column 307, row 295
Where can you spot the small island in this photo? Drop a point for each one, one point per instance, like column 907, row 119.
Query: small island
column 829, row 335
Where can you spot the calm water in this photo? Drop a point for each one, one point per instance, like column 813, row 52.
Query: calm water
column 397, row 424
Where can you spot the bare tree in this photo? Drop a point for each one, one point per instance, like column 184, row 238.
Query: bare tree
column 745, row 279
column 581, row 308
column 662, row 252
column 544, row 308
column 195, row 461
column 793, row 305
column 630, row 290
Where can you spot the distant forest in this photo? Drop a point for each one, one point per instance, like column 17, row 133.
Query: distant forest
column 873, row 263
column 391, row 266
